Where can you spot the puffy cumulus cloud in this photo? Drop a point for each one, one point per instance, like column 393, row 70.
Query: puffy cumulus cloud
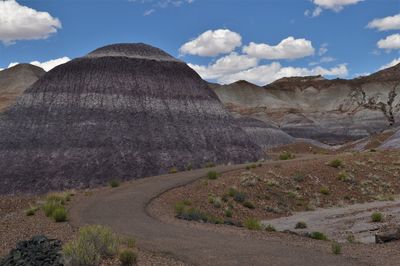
column 212, row 43
column 335, row 5
column 229, row 64
column 264, row 74
column 387, row 23
column 289, row 48
column 390, row 43
column 19, row 22
column 395, row 61
column 47, row 65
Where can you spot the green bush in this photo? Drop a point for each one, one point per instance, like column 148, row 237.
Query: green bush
column 114, row 183
column 59, row 214
column 336, row 163
column 324, row 190
column 298, row 177
column 212, row 175
column 232, row 192
column 228, row 213
column 318, row 236
column 270, row 228
column 252, row 224
column 300, row 225
column 210, row 164
column 377, row 217
column 130, row 242
column 239, row 197
column 286, row 156
column 127, row 257
column 31, row 210
column 94, row 242
column 336, row 248
column 49, row 206
column 248, row 204
column 181, row 205
column 173, row 170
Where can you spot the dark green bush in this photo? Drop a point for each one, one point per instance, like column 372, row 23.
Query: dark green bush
column 300, row 225
column 336, row 163
column 286, row 156
column 377, row 217
column 128, row 257
column 114, row 183
column 239, row 197
column 212, row 175
column 59, row 214
column 252, row 224
column 318, row 236
column 248, row 204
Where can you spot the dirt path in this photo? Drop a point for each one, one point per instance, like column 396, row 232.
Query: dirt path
column 125, row 210
column 339, row 223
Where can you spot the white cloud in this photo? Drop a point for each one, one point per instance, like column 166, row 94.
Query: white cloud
column 323, row 49
column 229, row 64
column 47, row 65
column 149, row 12
column 390, row 43
column 19, row 22
column 289, row 48
column 212, row 43
column 335, row 5
column 387, row 23
column 325, row 59
column 395, row 61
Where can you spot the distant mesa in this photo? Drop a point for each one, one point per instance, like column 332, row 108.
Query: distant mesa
column 124, row 111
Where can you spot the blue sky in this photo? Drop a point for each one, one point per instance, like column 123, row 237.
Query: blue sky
column 329, row 37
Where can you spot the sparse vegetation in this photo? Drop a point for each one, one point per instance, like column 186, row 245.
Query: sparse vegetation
column 299, row 177
column 300, row 225
column 59, row 214
column 31, row 210
column 114, row 183
column 252, row 224
column 336, row 163
column 210, row 165
column 318, row 236
column 212, row 175
column 249, row 204
column 239, row 197
column 270, row 228
column 127, row 257
column 351, row 238
column 336, row 248
column 173, row 170
column 228, row 213
column 93, row 243
column 232, row 192
column 286, row 156
column 324, row 190
column 377, row 217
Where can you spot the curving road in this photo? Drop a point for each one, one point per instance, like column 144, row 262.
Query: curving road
column 124, row 210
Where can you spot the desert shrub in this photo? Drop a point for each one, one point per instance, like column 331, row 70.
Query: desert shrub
column 343, row 176
column 228, row 213
column 59, row 214
column 318, row 236
column 372, row 150
column 377, row 217
column 194, row 214
column 336, row 248
column 252, row 224
column 336, row 163
column 239, row 197
column 248, row 167
column 217, row 203
column 114, row 183
column 210, row 164
column 212, row 175
column 324, row 190
column 286, row 156
column 189, row 167
column 270, row 228
column 248, row 204
column 298, row 177
column 181, row 205
column 173, row 170
column 49, row 206
column 253, row 165
column 130, row 242
column 93, row 243
column 62, row 198
column 31, row 210
column 127, row 257
column 300, row 225
column 232, row 192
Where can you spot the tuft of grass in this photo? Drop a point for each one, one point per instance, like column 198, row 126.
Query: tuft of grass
column 212, row 175
column 232, row 192
column 228, row 213
column 300, row 225
column 336, row 163
column 49, row 206
column 318, row 236
column 377, row 217
column 299, row 177
column 130, row 242
column 286, row 156
column 336, row 248
column 173, row 170
column 127, row 257
column 249, row 204
column 252, row 224
column 180, row 206
column 31, row 210
column 60, row 214
column 270, row 228
column 240, row 197
column 114, row 183
column 324, row 190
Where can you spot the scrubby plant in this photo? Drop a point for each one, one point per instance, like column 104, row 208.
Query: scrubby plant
column 377, row 217
column 212, row 175
column 173, row 170
column 130, row 242
column 49, row 206
column 114, row 183
column 210, row 165
column 248, row 204
column 232, row 191
column 253, row 165
column 343, row 176
column 31, row 210
column 252, row 224
column 336, row 248
column 189, row 167
column 181, row 205
column 286, row 156
column 239, row 197
column 60, row 214
column 351, row 238
column 300, row 225
column 318, row 236
column 336, row 163
column 298, row 177
column 270, row 228
column 228, row 213
column 127, row 257
column 324, row 190
column 94, row 242
column 217, row 203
